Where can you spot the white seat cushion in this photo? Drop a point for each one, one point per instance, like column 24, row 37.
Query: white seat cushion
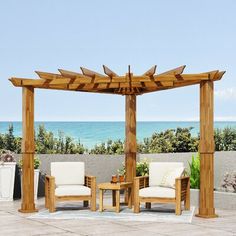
column 71, row 173
column 157, row 191
column 157, row 170
column 72, row 190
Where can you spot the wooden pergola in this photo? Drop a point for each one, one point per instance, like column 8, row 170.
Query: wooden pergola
column 130, row 86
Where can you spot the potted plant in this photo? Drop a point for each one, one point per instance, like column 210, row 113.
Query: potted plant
column 7, row 175
column 121, row 173
column 37, row 164
column 142, row 168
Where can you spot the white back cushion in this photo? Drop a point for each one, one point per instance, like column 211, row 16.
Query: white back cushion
column 157, row 170
column 68, row 172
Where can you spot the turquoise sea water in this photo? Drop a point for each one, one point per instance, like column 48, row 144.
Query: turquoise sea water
column 91, row 133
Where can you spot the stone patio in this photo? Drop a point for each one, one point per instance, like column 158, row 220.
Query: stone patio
column 14, row 223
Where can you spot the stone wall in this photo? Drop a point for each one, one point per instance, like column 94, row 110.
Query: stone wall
column 104, row 166
column 224, row 162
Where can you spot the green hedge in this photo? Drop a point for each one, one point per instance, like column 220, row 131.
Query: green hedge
column 170, row 140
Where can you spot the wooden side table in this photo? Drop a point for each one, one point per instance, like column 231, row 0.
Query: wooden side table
column 115, row 194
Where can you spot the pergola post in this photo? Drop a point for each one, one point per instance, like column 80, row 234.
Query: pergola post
column 28, row 149
column 130, row 141
column 206, row 149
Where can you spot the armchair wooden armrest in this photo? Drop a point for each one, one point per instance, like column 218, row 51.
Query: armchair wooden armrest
column 141, row 182
column 90, row 181
column 182, row 192
column 49, row 192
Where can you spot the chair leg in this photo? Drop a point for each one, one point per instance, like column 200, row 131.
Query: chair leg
column 178, row 208
column 100, row 200
column 93, row 204
column 136, row 206
column 85, row 203
column 46, row 194
column 148, row 205
column 113, row 198
column 52, row 207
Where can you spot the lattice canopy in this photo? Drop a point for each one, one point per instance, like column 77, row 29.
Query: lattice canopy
column 112, row 83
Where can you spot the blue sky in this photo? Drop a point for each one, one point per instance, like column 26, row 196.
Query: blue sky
column 47, row 35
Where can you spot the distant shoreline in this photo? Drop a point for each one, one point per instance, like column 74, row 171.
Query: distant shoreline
column 91, row 133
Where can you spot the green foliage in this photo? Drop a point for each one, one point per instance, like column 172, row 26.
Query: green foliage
column 225, row 140
column 37, row 163
column 110, row 147
column 194, row 174
column 46, row 143
column 142, row 168
column 170, row 140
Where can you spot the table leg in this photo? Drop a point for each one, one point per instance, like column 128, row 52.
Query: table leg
column 101, row 200
column 113, row 198
column 117, row 201
column 130, row 197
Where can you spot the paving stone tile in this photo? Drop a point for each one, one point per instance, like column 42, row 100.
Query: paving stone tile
column 15, row 223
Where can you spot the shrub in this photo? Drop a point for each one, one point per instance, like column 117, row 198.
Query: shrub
column 195, row 172
column 229, row 181
column 142, row 168
column 37, row 163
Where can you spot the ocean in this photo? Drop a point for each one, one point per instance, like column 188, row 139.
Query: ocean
column 91, row 133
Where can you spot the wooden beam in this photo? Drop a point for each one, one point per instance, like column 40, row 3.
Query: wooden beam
column 176, row 71
column 219, row 75
column 28, row 150
column 130, row 137
column 71, row 74
column 206, row 149
column 151, row 71
column 48, row 76
column 109, row 72
column 90, row 73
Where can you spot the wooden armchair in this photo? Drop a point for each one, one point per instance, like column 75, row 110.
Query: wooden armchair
column 149, row 190
column 68, row 183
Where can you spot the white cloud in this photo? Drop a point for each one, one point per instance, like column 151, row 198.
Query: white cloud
column 226, row 94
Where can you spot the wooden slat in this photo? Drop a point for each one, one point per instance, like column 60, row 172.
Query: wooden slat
column 120, row 79
column 186, row 77
column 151, row 71
column 48, row 76
column 102, row 79
column 176, row 71
column 90, row 73
column 71, row 74
column 142, row 78
column 61, row 81
column 109, row 72
column 16, row 81
column 219, row 75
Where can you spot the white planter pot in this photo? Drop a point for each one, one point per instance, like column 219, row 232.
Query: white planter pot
column 36, row 182
column 7, row 180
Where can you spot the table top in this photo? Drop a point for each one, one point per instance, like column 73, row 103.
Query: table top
column 115, row 186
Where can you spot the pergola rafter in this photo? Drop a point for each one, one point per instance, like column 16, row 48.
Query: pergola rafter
column 90, row 81
column 129, row 85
